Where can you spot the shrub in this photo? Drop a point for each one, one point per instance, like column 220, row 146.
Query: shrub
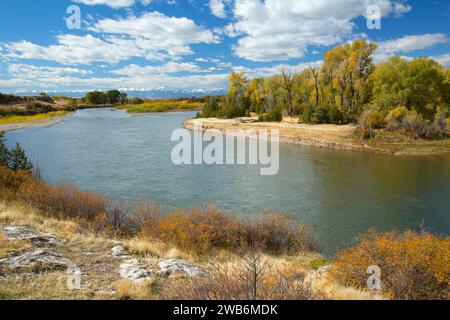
column 277, row 234
column 250, row 278
column 395, row 118
column 372, row 119
column 321, row 116
column 63, row 201
column 435, row 130
column 200, row 229
column 335, row 116
column 11, row 182
column 207, row 228
column 414, row 123
column 36, row 107
column 274, row 115
column 414, row 266
column 363, row 133
column 307, row 114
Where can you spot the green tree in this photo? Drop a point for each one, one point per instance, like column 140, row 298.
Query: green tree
column 4, row 152
column 96, row 98
column 18, row 159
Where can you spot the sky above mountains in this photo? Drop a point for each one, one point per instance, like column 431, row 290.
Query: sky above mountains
column 192, row 46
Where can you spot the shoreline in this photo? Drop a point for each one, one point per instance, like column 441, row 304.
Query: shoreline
column 336, row 137
column 32, row 124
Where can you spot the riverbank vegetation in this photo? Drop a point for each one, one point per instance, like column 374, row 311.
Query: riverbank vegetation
column 263, row 257
column 408, row 96
column 163, row 105
column 41, row 116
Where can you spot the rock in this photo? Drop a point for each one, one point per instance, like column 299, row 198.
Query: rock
column 107, row 292
column 119, row 252
column 41, row 258
column 30, row 234
column 169, row 267
column 135, row 270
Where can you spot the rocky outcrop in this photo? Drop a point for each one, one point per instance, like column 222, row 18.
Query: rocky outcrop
column 38, row 260
column 173, row 266
column 30, row 234
column 136, row 270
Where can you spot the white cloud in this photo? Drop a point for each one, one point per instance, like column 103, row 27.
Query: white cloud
column 170, row 67
column 72, row 50
column 407, row 44
column 281, row 30
column 217, row 8
column 112, row 3
column 443, row 59
column 37, row 72
column 152, row 36
column 264, row 72
column 158, row 31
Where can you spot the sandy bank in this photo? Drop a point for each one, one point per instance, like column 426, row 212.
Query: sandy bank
column 340, row 137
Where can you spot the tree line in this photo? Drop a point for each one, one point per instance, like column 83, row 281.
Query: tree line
column 348, row 87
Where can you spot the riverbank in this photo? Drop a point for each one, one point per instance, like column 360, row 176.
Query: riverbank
column 340, row 137
column 40, row 120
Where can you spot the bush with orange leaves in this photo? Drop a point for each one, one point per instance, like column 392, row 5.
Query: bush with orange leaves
column 11, row 181
column 206, row 228
column 413, row 266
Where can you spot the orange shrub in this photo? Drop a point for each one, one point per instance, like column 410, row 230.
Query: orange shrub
column 62, row 201
column 200, row 229
column 11, row 181
column 413, row 266
column 276, row 233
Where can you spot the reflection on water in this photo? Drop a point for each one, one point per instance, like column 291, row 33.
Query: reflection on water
column 340, row 194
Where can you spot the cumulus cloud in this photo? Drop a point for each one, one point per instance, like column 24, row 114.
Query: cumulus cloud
column 153, row 36
column 408, row 44
column 72, row 50
column 280, row 30
column 217, row 8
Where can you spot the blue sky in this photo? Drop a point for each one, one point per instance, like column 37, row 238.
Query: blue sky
column 193, row 45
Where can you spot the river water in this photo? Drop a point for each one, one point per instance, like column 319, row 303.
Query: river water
column 340, row 194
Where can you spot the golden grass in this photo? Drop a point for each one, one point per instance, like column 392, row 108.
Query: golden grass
column 163, row 106
column 7, row 247
column 41, row 116
column 148, row 290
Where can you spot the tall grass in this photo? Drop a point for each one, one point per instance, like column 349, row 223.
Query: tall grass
column 41, row 116
column 163, row 106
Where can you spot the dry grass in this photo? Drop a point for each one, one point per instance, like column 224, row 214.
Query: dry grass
column 148, row 290
column 7, row 247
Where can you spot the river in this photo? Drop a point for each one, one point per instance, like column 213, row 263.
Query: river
column 340, row 194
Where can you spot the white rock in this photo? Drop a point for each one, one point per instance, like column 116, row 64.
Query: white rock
column 135, row 270
column 30, row 234
column 168, row 267
column 46, row 260
column 119, row 252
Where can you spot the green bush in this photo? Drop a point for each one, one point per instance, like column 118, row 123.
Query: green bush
column 335, row 116
column 372, row 119
column 274, row 115
column 307, row 114
column 321, row 116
